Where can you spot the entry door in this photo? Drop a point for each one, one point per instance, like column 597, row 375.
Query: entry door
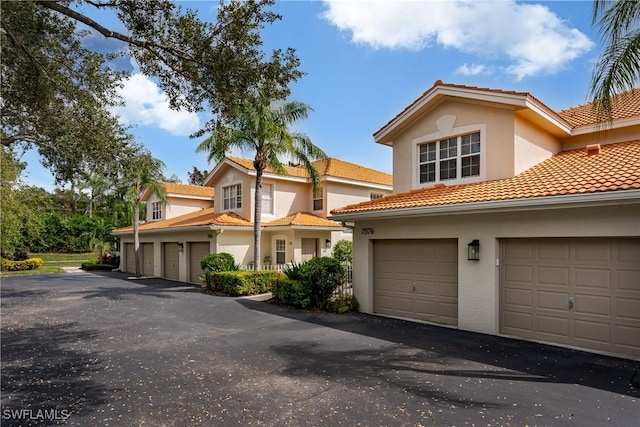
column 309, row 249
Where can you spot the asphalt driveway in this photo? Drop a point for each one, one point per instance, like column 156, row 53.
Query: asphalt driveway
column 89, row 349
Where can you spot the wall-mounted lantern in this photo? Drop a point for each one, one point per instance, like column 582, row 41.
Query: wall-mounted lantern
column 473, row 250
column 327, row 244
column 180, row 246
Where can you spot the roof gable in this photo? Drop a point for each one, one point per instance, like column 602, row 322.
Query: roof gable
column 182, row 191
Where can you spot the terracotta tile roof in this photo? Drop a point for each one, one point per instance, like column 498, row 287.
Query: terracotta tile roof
column 615, row 168
column 333, row 167
column 302, row 219
column 190, row 190
column 201, row 217
column 625, row 105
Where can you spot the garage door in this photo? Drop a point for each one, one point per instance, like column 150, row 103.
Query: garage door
column 147, row 259
column 197, row 251
column 129, row 258
column 416, row 279
column 577, row 292
column 170, row 260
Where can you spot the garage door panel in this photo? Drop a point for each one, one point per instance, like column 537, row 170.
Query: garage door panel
column 171, row 258
column 552, row 300
column 423, row 280
column 147, row 259
column 197, row 251
column 129, row 261
column 600, row 275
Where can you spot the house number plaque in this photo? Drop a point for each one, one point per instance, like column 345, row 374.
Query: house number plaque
column 367, row 230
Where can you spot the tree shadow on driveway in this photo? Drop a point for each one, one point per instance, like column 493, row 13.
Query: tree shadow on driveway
column 42, row 371
column 428, row 349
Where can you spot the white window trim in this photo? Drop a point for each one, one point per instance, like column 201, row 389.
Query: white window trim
column 322, row 197
column 232, row 184
column 154, row 211
column 273, row 200
column 437, row 136
column 378, row 195
column 274, row 258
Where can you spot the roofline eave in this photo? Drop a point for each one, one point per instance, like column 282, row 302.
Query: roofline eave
column 618, row 197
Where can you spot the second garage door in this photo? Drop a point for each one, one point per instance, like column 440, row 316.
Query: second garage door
column 579, row 292
column 171, row 258
column 416, row 279
column 147, row 259
column 129, row 258
column 197, row 251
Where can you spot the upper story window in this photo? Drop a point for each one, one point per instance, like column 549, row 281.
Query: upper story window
column 267, row 199
column 374, row 196
column 450, row 158
column 232, row 197
column 156, row 211
column 318, row 199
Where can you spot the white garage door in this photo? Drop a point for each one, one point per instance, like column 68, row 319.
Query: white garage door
column 416, row 279
column 147, row 259
column 197, row 251
column 129, row 258
column 170, row 260
column 578, row 292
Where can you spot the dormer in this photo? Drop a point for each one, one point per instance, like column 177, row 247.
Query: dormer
column 181, row 199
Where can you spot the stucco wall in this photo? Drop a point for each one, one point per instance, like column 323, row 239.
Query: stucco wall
column 231, row 177
column 441, row 122
column 532, row 145
column 478, row 280
column 342, row 194
column 603, row 136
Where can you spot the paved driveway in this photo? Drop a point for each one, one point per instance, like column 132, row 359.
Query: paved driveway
column 103, row 350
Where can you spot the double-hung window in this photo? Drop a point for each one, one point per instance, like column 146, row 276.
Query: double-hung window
column 156, row 211
column 267, row 199
column 450, row 158
column 317, row 199
column 232, row 197
column 281, row 251
column 374, row 196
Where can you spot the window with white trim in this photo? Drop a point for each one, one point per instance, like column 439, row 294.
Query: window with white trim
column 232, row 197
column 267, row 199
column 281, row 251
column 374, row 196
column 156, row 211
column 317, row 199
column 449, row 158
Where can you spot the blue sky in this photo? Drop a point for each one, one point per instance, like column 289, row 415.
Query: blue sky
column 366, row 60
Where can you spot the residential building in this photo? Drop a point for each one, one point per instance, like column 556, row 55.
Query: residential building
column 512, row 219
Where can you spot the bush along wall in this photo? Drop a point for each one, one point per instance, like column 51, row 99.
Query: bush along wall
column 241, row 283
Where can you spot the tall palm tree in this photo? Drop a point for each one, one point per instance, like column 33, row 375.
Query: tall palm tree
column 144, row 172
column 618, row 68
column 263, row 127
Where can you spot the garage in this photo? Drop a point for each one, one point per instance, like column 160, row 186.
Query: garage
column 147, row 259
column 170, row 254
column 129, row 258
column 197, row 251
column 416, row 279
column 580, row 292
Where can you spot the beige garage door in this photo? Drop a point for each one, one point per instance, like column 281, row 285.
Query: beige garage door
column 416, row 279
column 129, row 258
column 197, row 251
column 147, row 259
column 170, row 258
column 578, row 292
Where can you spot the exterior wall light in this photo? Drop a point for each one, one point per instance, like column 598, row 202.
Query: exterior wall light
column 327, row 244
column 180, row 246
column 473, row 250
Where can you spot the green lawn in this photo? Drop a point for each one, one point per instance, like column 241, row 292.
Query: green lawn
column 53, row 263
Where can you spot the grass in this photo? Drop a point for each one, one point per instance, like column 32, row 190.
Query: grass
column 53, row 263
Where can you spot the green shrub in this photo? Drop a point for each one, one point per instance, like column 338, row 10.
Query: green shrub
column 292, row 293
column 292, row 271
column 322, row 275
column 343, row 304
column 219, row 262
column 343, row 251
column 28, row 264
column 90, row 266
column 239, row 283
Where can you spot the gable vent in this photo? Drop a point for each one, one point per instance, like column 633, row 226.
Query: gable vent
column 593, row 149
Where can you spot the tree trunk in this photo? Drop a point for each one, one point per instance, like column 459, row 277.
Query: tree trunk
column 136, row 226
column 257, row 231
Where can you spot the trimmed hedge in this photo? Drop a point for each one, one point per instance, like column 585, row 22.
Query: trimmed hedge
column 28, row 264
column 240, row 283
column 89, row 266
column 220, row 261
column 291, row 292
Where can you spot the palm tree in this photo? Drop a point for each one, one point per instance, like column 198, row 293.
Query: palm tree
column 263, row 127
column 618, row 68
column 142, row 173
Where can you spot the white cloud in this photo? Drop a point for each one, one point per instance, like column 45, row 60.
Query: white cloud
column 530, row 38
column 146, row 104
column 472, row 70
